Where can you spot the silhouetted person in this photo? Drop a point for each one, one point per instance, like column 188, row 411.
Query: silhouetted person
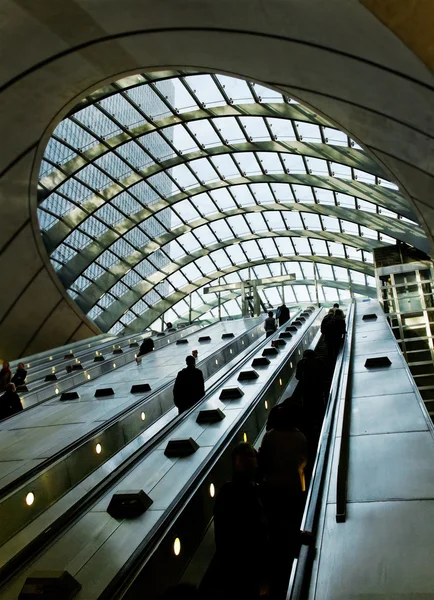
column 334, row 333
column 5, row 376
column 20, row 375
column 270, row 324
column 335, row 306
column 283, row 456
column 283, row 314
column 10, row 402
column 311, row 375
column 327, row 319
column 240, row 528
column 146, row 347
column 189, row 386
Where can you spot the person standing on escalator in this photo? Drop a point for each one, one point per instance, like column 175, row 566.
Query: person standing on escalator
column 282, row 458
column 10, row 402
column 5, row 376
column 240, row 529
column 189, row 386
column 282, row 314
column 311, row 374
column 334, row 334
column 20, row 375
column 270, row 324
column 146, row 347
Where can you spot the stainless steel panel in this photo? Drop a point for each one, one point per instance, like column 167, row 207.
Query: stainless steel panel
column 396, row 358
column 113, row 553
column 151, row 472
column 386, row 414
column 69, row 551
column 211, row 434
column 378, row 464
column 378, row 382
column 371, row 335
column 9, row 470
column 175, row 479
column 369, row 556
column 379, row 346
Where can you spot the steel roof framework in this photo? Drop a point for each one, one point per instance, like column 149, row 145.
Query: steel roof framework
column 245, row 166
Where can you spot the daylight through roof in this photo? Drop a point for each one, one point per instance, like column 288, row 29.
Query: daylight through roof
column 161, row 184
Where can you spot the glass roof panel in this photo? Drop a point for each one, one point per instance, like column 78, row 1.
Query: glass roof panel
column 230, row 129
column 282, row 129
column 236, row 254
column 226, row 166
column 204, row 205
column 205, row 89
column 270, row 161
column 118, row 185
column 255, row 128
column 204, row 133
column 204, row 170
column 261, row 192
column 223, row 199
column 248, row 163
column 335, row 137
column 237, row 89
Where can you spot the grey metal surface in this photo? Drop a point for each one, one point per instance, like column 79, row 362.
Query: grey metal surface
column 381, row 549
column 162, row 478
column 71, row 468
column 56, row 416
column 39, row 390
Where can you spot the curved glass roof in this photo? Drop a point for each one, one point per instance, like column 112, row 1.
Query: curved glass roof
column 159, row 185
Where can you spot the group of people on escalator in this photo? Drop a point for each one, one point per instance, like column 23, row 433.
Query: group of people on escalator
column 282, row 316
column 257, row 514
column 333, row 329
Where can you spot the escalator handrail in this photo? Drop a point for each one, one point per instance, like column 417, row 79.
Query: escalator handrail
column 126, row 573
column 300, row 573
column 20, row 560
column 48, row 462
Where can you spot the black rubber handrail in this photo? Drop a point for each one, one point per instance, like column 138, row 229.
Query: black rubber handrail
column 300, row 576
column 344, row 449
column 19, row 561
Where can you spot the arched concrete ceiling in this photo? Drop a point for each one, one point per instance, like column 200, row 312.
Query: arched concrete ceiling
column 335, row 57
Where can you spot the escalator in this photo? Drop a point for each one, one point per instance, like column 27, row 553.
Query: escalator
column 169, row 481
column 367, row 528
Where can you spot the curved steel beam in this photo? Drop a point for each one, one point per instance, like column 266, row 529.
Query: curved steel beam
column 350, row 157
column 406, row 232
column 363, row 290
column 115, row 311
column 376, row 194
column 91, row 294
column 152, row 314
column 276, row 110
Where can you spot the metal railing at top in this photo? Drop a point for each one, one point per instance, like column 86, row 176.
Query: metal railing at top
column 301, row 569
